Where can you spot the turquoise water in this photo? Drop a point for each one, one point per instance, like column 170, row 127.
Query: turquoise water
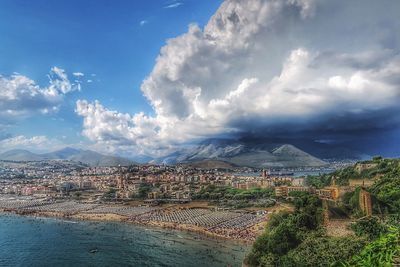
column 28, row 241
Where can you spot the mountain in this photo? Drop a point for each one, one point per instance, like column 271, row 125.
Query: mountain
column 318, row 148
column 20, row 155
column 239, row 153
column 88, row 157
column 96, row 159
column 289, row 153
column 64, row 153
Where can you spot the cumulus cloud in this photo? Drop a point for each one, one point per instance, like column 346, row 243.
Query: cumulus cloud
column 20, row 96
column 266, row 67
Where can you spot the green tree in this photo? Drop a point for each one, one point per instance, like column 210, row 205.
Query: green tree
column 370, row 227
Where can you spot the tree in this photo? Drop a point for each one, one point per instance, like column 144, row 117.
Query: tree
column 286, row 231
column 144, row 189
column 370, row 227
column 324, row 251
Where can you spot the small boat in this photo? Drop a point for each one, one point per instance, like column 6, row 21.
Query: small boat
column 94, row 250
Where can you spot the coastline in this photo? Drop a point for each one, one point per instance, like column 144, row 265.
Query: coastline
column 72, row 242
column 111, row 217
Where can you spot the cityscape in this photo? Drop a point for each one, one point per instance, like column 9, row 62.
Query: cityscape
column 224, row 133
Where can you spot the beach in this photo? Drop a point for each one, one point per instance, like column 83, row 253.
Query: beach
column 238, row 225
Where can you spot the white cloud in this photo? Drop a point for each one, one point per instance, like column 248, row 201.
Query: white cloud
column 59, row 81
column 20, row 96
column 78, row 74
column 259, row 65
column 35, row 143
column 174, row 5
column 143, row 22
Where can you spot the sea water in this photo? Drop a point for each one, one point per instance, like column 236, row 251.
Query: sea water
column 30, row 241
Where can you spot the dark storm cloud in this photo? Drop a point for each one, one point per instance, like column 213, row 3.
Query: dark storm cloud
column 296, row 67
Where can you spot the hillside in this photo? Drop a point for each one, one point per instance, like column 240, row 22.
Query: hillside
column 300, row 239
column 21, row 155
column 88, row 157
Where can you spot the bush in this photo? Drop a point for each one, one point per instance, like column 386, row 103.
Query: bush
column 324, row 251
column 285, row 232
column 382, row 252
column 370, row 227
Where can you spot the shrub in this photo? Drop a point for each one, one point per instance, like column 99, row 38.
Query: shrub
column 382, row 252
column 370, row 227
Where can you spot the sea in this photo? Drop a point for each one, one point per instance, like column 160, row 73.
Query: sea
column 32, row 241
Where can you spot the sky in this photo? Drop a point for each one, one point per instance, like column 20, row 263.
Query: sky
column 147, row 77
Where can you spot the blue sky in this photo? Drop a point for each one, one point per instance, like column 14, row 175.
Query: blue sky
column 114, row 43
column 159, row 75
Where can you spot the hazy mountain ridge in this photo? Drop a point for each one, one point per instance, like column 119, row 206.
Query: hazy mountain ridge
column 20, row 155
column 88, row 157
column 259, row 153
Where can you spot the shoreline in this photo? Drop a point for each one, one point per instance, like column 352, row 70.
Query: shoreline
column 111, row 217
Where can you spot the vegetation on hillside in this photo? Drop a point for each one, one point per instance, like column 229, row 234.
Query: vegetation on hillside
column 379, row 167
column 384, row 251
column 213, row 192
column 298, row 239
column 230, row 197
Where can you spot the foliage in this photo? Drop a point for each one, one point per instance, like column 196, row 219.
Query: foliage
column 144, row 189
column 296, row 239
column 277, row 218
column 344, row 175
column 380, row 167
column 350, row 203
column 386, row 190
column 318, row 181
column 322, row 251
column 393, row 219
column 381, row 252
column 370, row 227
column 213, row 192
column 110, row 193
column 244, row 203
column 286, row 231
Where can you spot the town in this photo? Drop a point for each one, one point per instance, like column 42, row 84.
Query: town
column 218, row 202
column 155, row 183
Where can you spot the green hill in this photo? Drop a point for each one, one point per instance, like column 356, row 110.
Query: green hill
column 299, row 238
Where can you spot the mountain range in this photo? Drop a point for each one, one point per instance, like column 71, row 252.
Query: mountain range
column 88, row 157
column 214, row 153
column 238, row 153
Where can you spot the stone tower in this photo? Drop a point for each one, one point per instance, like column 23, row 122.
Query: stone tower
column 365, row 202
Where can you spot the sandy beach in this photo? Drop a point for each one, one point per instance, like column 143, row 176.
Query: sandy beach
column 232, row 225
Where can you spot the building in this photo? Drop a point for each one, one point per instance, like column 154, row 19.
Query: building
column 365, row 202
column 298, row 182
column 360, row 167
column 284, row 191
column 361, row 182
column 281, row 191
column 328, row 193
